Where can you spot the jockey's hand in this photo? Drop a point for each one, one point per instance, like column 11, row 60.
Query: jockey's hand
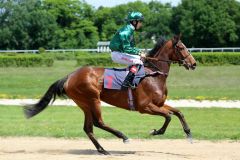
column 142, row 54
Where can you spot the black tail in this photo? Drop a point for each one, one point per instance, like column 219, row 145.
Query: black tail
column 55, row 89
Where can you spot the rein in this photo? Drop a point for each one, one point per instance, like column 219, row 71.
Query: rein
column 155, row 59
column 156, row 67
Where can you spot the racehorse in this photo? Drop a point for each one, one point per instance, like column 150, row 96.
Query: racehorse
column 85, row 87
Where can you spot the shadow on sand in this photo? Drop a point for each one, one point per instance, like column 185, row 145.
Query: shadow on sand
column 113, row 153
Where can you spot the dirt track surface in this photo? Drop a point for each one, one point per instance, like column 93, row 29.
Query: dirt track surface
column 29, row 148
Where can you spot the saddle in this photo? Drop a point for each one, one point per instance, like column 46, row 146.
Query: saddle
column 114, row 77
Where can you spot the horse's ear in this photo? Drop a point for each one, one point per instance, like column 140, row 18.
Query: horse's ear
column 176, row 38
column 180, row 36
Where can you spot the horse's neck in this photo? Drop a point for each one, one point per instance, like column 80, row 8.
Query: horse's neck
column 164, row 56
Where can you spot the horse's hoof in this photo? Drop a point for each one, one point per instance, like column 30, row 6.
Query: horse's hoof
column 153, row 132
column 102, row 151
column 126, row 141
column 189, row 137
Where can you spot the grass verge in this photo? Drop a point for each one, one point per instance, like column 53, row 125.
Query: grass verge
column 67, row 122
column 206, row 82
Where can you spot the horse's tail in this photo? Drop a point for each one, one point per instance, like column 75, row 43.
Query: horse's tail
column 57, row 88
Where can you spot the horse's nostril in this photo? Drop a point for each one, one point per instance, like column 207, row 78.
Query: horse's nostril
column 194, row 66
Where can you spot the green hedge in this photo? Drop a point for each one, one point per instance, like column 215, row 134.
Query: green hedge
column 25, row 61
column 60, row 55
column 217, row 58
column 204, row 58
column 104, row 59
column 96, row 59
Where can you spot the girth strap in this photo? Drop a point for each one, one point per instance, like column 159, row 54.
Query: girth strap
column 130, row 100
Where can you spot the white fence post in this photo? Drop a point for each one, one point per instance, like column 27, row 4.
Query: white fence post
column 103, row 46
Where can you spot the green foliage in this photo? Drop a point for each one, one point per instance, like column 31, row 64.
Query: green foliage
column 25, row 25
column 41, row 50
column 105, row 23
column 25, row 61
column 214, row 58
column 61, row 56
column 205, row 58
column 96, row 59
column 208, row 23
column 9, row 54
column 75, row 30
column 31, row 24
column 161, row 20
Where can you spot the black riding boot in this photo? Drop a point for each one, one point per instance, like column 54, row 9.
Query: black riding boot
column 128, row 82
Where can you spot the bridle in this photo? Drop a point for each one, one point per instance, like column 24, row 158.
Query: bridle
column 181, row 59
column 177, row 50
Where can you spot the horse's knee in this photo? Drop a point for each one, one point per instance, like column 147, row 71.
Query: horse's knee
column 88, row 128
column 168, row 118
column 180, row 114
column 98, row 123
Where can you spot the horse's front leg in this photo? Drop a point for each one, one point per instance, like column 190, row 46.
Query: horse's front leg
column 155, row 110
column 179, row 114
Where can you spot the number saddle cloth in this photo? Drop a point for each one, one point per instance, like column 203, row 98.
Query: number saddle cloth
column 114, row 77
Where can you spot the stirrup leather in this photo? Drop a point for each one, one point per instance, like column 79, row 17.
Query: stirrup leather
column 128, row 85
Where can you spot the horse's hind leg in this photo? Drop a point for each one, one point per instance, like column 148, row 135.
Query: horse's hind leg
column 98, row 122
column 179, row 114
column 88, row 121
column 88, row 128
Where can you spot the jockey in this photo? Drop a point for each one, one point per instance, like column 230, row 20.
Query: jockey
column 123, row 47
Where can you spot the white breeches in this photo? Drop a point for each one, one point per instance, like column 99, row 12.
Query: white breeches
column 125, row 58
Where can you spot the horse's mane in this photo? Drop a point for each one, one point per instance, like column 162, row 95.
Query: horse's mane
column 161, row 41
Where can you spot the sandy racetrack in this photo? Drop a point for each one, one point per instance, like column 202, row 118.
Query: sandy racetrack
column 29, row 148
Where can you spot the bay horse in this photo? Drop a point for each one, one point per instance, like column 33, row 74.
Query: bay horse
column 85, row 87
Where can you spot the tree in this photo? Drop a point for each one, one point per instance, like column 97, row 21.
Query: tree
column 103, row 16
column 75, row 27
column 30, row 24
column 41, row 30
column 156, row 23
column 13, row 32
column 159, row 19
column 25, row 25
column 206, row 23
column 82, row 34
column 109, row 20
column 121, row 11
column 234, row 13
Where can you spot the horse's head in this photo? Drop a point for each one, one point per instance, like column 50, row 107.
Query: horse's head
column 181, row 54
column 172, row 51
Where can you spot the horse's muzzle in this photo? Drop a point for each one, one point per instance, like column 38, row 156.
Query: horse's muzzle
column 193, row 66
column 189, row 66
